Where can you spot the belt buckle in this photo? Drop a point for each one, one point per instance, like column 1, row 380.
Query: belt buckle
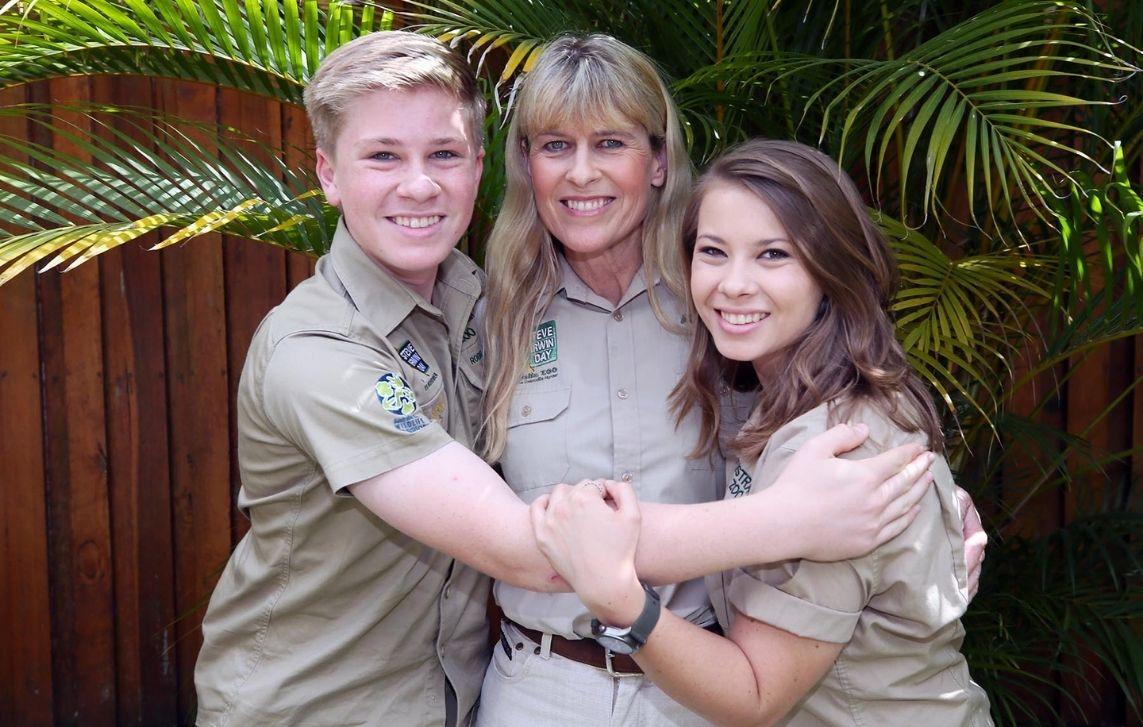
column 611, row 668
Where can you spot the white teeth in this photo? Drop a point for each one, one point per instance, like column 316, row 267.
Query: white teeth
column 741, row 319
column 416, row 222
column 586, row 205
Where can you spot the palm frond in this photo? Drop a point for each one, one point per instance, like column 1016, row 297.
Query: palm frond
column 116, row 188
column 261, row 46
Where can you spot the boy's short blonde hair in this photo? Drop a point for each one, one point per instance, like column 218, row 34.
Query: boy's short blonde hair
column 393, row 60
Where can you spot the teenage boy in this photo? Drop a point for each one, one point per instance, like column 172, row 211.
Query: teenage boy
column 358, row 400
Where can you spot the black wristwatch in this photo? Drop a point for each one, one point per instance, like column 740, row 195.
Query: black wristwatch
column 632, row 638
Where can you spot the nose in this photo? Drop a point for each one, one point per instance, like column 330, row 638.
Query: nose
column 738, row 279
column 583, row 170
column 418, row 185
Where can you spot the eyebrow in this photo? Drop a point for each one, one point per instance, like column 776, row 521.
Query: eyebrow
column 389, row 141
column 763, row 241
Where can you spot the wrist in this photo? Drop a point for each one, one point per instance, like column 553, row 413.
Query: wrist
column 620, row 604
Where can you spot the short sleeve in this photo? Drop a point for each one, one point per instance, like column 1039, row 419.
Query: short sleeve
column 815, row 600
column 348, row 406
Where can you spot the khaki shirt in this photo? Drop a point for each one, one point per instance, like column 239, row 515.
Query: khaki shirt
column 324, row 613
column 594, row 404
column 897, row 609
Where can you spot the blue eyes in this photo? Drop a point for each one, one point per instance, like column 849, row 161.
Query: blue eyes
column 388, row 156
column 558, row 145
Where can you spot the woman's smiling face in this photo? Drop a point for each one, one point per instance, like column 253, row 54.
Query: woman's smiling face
column 592, row 184
column 748, row 283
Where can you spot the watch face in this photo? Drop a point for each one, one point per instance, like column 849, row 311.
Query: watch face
column 617, row 646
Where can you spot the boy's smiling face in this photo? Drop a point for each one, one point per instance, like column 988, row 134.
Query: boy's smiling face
column 404, row 170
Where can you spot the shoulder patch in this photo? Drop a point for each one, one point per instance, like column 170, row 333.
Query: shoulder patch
column 395, row 395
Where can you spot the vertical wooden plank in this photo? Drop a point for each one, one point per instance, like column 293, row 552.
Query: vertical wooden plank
column 25, row 608
column 76, row 465
column 297, row 140
column 138, row 465
column 193, row 291
column 255, row 271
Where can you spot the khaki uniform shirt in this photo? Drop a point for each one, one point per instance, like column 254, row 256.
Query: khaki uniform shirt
column 594, row 404
column 325, row 615
column 897, row 609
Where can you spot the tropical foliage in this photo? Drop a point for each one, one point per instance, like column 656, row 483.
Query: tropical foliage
column 996, row 143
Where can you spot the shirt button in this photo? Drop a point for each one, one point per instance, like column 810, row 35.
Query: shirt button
column 622, row 393
column 617, row 315
column 526, row 411
column 626, row 477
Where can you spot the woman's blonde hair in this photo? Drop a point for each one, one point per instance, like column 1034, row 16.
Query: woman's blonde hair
column 850, row 353
column 592, row 80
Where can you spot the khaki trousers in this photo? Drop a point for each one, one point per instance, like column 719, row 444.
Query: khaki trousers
column 536, row 688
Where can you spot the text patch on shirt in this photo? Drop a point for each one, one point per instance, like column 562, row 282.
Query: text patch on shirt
column 409, row 355
column 740, row 482
column 545, row 351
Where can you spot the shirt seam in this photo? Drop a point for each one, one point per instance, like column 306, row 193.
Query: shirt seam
column 262, row 633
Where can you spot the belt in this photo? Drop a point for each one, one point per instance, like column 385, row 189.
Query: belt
column 585, row 651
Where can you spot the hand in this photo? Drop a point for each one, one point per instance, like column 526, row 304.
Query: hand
column 975, row 540
column 844, row 508
column 591, row 542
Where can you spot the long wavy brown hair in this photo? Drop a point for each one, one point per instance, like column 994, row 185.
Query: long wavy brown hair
column 850, row 353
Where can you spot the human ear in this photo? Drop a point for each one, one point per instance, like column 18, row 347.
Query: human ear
column 659, row 173
column 326, row 177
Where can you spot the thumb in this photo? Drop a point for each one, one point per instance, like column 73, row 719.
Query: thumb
column 623, row 495
column 538, row 510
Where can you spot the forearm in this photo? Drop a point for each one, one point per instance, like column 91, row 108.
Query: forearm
column 707, row 674
column 453, row 502
column 680, row 542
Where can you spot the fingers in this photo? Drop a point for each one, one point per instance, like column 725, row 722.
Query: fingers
column 908, row 461
column 839, row 438
column 897, row 526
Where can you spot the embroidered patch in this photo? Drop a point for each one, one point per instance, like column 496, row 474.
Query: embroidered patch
column 544, row 348
column 410, row 424
column 740, row 483
column 395, row 395
column 408, row 353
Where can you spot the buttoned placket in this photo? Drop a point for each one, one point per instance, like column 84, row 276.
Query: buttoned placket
column 621, row 352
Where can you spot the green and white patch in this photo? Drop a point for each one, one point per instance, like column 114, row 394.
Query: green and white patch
column 395, row 395
column 545, row 349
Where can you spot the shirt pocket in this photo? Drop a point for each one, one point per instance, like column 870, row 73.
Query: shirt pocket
column 536, row 453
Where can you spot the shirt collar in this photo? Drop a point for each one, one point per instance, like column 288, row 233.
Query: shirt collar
column 386, row 301
column 575, row 289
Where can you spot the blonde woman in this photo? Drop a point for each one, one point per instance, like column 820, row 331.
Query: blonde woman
column 584, row 344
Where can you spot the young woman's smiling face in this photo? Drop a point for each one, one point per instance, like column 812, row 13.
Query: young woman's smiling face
column 748, row 282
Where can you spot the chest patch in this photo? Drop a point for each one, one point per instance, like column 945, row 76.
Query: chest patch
column 408, row 353
column 740, row 483
column 545, row 348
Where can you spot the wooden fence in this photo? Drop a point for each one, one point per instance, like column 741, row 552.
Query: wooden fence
column 117, row 383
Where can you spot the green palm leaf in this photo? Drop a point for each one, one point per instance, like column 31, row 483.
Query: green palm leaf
column 117, row 188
